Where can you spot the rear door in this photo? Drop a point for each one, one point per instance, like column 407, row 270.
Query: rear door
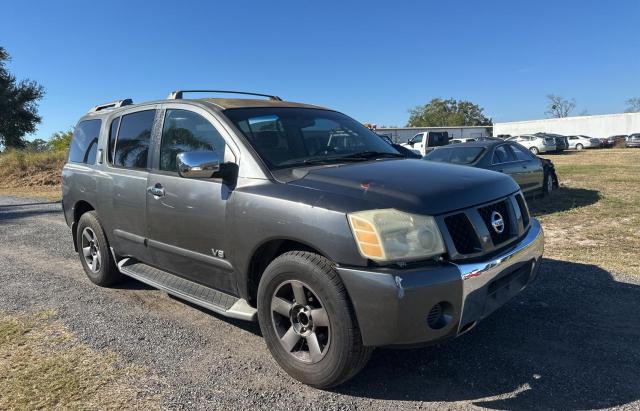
column 123, row 191
column 187, row 222
column 531, row 170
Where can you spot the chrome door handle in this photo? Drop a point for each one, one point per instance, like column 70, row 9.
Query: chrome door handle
column 156, row 190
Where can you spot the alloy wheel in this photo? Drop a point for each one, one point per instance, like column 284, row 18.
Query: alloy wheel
column 300, row 321
column 91, row 249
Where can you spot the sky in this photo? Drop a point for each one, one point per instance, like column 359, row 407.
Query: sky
column 372, row 60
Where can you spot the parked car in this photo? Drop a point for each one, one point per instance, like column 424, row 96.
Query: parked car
column 580, row 142
column 562, row 142
column 633, row 140
column 536, row 144
column 533, row 174
column 299, row 217
column 424, row 142
column 611, row 141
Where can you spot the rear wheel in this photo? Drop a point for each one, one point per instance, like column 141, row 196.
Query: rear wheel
column 549, row 183
column 307, row 320
column 534, row 150
column 579, row 146
column 93, row 249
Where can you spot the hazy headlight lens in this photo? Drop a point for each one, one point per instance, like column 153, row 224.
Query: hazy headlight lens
column 392, row 235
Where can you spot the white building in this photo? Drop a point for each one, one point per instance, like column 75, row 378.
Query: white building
column 592, row 126
column 403, row 134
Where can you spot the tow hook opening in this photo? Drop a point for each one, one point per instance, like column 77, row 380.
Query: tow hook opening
column 440, row 315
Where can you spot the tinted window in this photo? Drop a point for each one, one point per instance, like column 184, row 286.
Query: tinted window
column 437, row 139
column 84, row 143
column 113, row 131
column 521, row 153
column 187, row 131
column 289, row 137
column 502, row 154
column 132, row 145
column 457, row 155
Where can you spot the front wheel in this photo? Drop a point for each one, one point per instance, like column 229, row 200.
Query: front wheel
column 307, row 320
column 534, row 150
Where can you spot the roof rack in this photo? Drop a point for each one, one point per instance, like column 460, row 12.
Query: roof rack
column 112, row 104
column 177, row 95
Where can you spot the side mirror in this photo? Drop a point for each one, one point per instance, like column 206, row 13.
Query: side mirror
column 198, row 164
column 411, row 142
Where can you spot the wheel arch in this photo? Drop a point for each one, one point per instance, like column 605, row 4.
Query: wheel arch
column 79, row 208
column 262, row 256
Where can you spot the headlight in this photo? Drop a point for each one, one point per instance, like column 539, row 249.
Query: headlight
column 391, row 235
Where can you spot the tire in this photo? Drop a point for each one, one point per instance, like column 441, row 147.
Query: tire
column 534, row 150
column 548, row 184
column 579, row 147
column 287, row 326
column 94, row 252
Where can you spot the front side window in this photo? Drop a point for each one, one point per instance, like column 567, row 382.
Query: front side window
column 417, row 138
column 289, row 136
column 132, row 143
column 185, row 130
column 502, row 154
column 84, row 143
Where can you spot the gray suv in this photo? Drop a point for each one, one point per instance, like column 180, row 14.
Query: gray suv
column 296, row 216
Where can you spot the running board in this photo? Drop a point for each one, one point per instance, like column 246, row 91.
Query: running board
column 195, row 293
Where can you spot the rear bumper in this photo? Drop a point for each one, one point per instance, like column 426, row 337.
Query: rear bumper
column 396, row 307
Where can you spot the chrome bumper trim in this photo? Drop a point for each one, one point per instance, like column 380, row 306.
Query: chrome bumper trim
column 477, row 275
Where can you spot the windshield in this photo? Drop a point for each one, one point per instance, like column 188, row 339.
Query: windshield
column 289, row 136
column 457, row 155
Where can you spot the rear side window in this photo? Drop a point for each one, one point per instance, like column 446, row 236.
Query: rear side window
column 113, row 133
column 503, row 154
column 84, row 143
column 132, row 143
column 187, row 131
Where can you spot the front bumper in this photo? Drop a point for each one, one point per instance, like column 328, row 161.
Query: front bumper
column 632, row 143
column 398, row 307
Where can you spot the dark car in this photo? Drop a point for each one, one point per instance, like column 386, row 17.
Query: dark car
column 296, row 216
column 633, row 140
column 533, row 174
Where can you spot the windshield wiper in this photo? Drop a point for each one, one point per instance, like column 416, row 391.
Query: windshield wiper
column 361, row 156
column 367, row 155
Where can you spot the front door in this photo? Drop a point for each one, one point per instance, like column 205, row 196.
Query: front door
column 186, row 217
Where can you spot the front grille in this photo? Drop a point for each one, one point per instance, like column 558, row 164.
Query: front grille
column 462, row 233
column 523, row 210
column 501, row 208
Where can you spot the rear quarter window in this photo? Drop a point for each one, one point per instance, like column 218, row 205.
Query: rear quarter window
column 84, row 143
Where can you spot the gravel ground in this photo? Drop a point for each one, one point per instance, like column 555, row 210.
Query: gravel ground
column 571, row 341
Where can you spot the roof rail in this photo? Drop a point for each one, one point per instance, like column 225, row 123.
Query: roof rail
column 112, row 104
column 177, row 95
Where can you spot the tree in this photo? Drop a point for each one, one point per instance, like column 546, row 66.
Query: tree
column 559, row 107
column 18, row 106
column 36, row 145
column 447, row 113
column 633, row 105
column 60, row 141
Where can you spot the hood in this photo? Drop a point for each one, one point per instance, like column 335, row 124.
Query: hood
column 416, row 186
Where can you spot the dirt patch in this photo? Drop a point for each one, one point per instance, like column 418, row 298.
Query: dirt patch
column 42, row 365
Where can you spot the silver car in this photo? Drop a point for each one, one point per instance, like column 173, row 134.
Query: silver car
column 580, row 142
column 536, row 144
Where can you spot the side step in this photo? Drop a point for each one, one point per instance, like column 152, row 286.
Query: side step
column 206, row 297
